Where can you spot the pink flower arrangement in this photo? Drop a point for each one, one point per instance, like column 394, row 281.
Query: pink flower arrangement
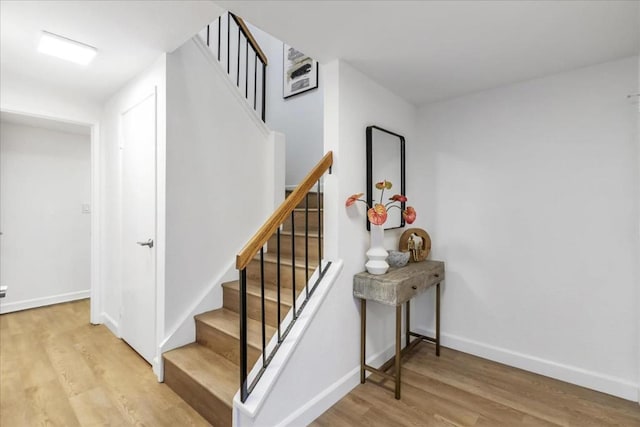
column 378, row 213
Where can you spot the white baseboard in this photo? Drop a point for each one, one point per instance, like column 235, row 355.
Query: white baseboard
column 8, row 307
column 593, row 380
column 111, row 324
column 158, row 368
column 336, row 391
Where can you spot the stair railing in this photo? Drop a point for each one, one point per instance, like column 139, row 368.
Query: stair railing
column 256, row 245
column 238, row 51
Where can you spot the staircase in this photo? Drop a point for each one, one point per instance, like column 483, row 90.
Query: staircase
column 206, row 373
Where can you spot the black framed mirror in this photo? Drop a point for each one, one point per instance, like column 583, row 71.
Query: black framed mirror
column 385, row 161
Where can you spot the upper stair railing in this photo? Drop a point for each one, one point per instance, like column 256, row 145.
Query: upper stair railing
column 256, row 245
column 239, row 53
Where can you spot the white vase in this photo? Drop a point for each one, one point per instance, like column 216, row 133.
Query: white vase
column 377, row 254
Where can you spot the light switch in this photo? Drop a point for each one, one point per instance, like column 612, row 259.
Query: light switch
column 86, row 208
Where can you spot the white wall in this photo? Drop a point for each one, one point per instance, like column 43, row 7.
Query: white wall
column 45, row 180
column 220, row 184
column 331, row 343
column 530, row 193
column 358, row 103
column 300, row 118
column 20, row 94
column 637, row 103
column 111, row 192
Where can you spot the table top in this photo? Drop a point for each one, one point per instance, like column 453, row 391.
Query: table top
column 400, row 284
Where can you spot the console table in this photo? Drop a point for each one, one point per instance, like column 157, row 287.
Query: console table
column 397, row 287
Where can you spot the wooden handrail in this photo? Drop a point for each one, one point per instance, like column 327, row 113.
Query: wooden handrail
column 250, row 38
column 283, row 211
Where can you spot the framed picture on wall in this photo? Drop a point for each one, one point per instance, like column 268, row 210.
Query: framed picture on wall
column 299, row 72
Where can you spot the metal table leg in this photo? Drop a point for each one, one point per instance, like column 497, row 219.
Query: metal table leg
column 407, row 328
column 363, row 337
column 438, row 320
column 398, row 351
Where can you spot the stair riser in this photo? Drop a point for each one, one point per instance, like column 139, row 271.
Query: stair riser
column 202, row 400
column 299, row 219
column 312, row 200
column 231, row 298
column 285, row 246
column 225, row 345
column 270, row 268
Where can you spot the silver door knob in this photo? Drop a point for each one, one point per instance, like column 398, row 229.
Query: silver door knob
column 147, row 243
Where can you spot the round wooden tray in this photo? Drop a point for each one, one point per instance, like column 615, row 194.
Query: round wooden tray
column 419, row 253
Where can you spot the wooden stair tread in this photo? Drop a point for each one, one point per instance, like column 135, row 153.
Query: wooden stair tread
column 270, row 292
column 209, row 369
column 312, row 234
column 228, row 322
column 314, row 210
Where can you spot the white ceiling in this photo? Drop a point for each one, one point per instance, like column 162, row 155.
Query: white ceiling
column 39, row 122
column 431, row 50
column 421, row 50
column 129, row 36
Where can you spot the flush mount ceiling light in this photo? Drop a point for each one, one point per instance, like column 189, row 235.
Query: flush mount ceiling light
column 62, row 47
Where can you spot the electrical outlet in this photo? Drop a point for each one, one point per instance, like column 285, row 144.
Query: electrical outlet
column 3, row 291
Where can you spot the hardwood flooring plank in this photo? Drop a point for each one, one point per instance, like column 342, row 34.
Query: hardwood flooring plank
column 73, row 373
column 491, row 388
column 58, row 370
column 13, row 402
column 499, row 414
column 94, row 407
column 412, row 404
column 580, row 399
column 459, row 389
column 48, row 406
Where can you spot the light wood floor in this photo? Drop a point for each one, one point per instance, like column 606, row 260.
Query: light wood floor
column 458, row 389
column 58, row 370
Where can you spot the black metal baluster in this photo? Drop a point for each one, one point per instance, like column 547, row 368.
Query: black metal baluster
column 228, row 42
column 278, row 280
column 219, row 26
column 306, row 244
column 264, row 89
column 264, row 335
column 238, row 68
column 319, row 230
column 246, row 68
column 243, row 335
column 293, row 262
column 207, row 35
column 255, row 80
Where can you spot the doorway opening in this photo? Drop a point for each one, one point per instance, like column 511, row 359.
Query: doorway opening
column 48, row 211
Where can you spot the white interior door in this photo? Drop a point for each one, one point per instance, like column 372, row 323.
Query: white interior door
column 138, row 322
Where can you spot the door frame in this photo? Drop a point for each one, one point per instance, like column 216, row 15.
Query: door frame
column 95, row 303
